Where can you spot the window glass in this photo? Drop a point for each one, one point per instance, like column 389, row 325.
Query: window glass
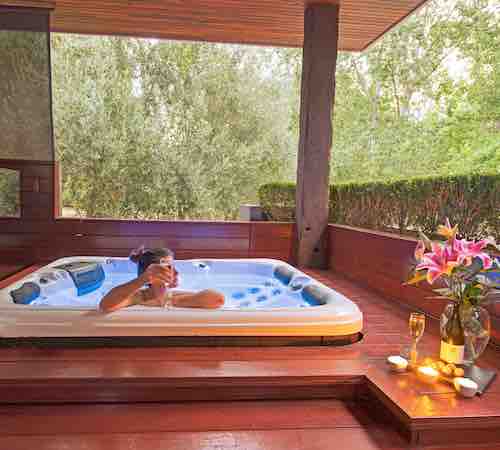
column 150, row 129
column 9, row 193
column 25, row 112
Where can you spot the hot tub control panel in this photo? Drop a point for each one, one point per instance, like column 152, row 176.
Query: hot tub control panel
column 84, row 276
column 87, row 276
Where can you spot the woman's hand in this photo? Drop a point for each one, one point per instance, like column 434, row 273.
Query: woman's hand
column 160, row 273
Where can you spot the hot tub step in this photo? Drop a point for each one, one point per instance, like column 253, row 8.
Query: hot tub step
column 87, row 381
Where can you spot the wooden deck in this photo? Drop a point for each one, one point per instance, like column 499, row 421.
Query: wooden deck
column 190, row 398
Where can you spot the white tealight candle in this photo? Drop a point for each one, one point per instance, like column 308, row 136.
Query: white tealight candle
column 428, row 374
column 397, row 363
column 465, row 386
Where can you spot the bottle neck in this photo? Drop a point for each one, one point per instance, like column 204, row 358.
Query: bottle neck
column 455, row 315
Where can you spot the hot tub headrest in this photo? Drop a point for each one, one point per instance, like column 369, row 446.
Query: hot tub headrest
column 284, row 274
column 87, row 275
column 24, row 295
column 316, row 295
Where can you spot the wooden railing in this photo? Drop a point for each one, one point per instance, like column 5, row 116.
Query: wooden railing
column 382, row 261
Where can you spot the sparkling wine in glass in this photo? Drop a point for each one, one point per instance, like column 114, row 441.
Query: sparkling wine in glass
column 168, row 261
column 416, row 324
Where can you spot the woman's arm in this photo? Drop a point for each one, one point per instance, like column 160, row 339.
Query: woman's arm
column 128, row 294
column 207, row 299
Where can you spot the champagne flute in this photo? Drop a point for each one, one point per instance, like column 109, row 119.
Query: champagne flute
column 416, row 324
column 167, row 261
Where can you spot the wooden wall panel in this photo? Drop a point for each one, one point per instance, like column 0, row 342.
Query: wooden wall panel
column 9, row 269
column 271, row 240
column 44, row 240
column 49, row 245
column 37, row 180
column 382, row 261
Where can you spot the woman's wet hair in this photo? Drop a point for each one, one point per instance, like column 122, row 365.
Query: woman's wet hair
column 144, row 257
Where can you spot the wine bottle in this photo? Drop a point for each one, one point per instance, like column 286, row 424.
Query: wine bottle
column 452, row 339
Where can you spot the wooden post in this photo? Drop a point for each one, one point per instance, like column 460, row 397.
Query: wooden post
column 317, row 97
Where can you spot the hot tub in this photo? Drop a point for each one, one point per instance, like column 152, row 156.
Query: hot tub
column 263, row 297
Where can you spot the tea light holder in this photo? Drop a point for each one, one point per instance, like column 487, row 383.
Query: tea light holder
column 397, row 363
column 465, row 386
column 427, row 374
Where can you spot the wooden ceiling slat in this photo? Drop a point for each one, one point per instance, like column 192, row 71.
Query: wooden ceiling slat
column 263, row 22
column 47, row 4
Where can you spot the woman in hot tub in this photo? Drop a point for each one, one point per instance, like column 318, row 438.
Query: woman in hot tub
column 155, row 276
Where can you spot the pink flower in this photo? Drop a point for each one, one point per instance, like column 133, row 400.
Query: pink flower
column 441, row 261
column 468, row 250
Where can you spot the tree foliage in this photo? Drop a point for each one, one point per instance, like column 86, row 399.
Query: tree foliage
column 148, row 129
column 9, row 193
column 425, row 99
column 159, row 129
column 24, row 96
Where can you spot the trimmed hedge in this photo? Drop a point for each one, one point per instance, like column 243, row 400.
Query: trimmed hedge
column 472, row 201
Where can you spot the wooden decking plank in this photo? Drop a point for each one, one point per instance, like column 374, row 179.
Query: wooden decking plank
column 345, row 439
column 179, row 371
column 177, row 417
column 351, row 352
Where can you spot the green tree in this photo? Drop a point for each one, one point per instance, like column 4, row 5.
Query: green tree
column 167, row 130
column 401, row 110
column 9, row 193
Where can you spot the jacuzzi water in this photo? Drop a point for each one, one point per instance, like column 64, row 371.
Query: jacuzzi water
column 244, row 285
column 263, row 297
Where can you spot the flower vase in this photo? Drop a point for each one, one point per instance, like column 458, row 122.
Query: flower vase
column 476, row 328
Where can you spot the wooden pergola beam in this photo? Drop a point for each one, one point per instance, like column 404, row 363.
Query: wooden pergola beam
column 261, row 22
column 321, row 33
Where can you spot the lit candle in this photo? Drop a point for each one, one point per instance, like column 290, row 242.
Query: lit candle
column 397, row 363
column 428, row 374
column 465, row 386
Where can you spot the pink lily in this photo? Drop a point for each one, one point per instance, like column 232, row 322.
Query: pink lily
column 468, row 250
column 441, row 261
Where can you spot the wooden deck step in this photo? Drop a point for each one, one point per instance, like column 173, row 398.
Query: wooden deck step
column 96, row 381
column 244, row 425
column 270, row 425
column 181, row 417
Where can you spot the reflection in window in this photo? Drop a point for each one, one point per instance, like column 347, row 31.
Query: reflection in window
column 9, row 193
column 24, row 96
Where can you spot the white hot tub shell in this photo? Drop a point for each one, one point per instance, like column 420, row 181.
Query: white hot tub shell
column 264, row 297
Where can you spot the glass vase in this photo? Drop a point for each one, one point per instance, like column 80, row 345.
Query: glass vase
column 476, row 325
